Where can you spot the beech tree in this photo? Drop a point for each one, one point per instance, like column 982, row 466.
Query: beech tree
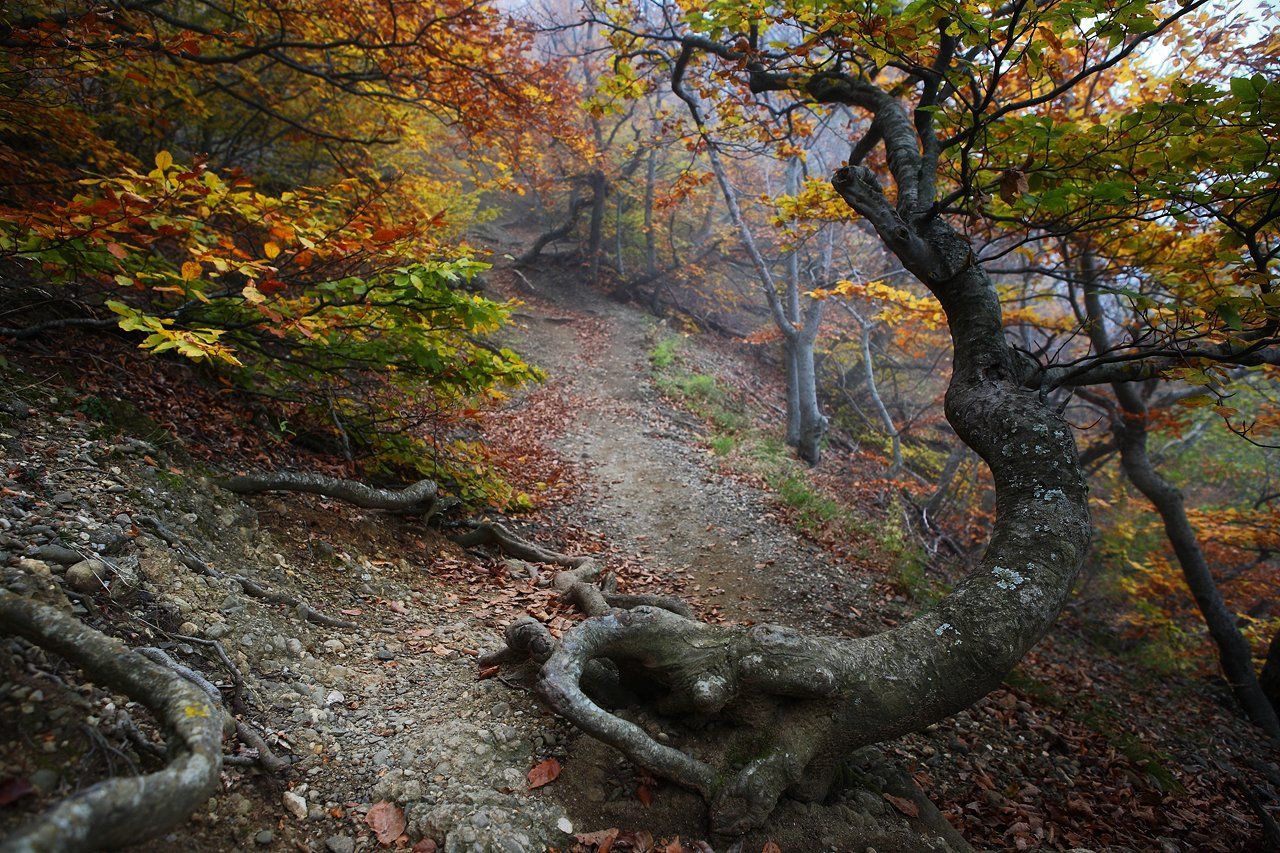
column 930, row 82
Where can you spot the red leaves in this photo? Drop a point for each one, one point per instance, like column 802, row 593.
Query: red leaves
column 387, row 822
column 902, row 804
column 14, row 788
column 543, row 773
column 600, row 842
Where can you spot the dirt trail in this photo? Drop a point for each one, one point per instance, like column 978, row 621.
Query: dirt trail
column 716, row 538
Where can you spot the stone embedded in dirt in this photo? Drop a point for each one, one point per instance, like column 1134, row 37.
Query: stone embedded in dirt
column 264, row 837
column 58, row 554
column 340, row 844
column 85, row 576
column 295, row 805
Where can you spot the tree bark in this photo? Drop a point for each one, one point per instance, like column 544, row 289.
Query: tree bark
column 121, row 811
column 1129, row 426
column 599, row 186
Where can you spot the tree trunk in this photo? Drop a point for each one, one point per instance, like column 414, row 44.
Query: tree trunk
column 813, row 424
column 1233, row 649
column 1129, row 426
column 793, row 392
column 869, row 372
column 650, row 235
column 595, row 235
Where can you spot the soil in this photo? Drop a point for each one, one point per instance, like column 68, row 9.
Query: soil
column 395, row 709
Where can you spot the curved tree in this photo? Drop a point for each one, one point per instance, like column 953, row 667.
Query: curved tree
column 929, row 83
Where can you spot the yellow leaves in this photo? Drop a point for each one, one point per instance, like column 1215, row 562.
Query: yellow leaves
column 895, row 303
column 190, row 270
column 271, row 250
column 252, row 295
column 163, row 160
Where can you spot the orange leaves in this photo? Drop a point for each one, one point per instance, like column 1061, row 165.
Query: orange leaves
column 543, row 773
column 903, row 805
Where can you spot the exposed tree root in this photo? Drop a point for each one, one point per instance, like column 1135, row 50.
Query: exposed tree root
column 250, row 587
column 121, row 811
column 420, row 498
column 770, row 712
column 247, row 734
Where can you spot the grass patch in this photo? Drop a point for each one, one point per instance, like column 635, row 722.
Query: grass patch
column 665, row 352
column 722, row 445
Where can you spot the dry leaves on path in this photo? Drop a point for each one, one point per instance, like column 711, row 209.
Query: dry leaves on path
column 387, row 821
column 543, row 773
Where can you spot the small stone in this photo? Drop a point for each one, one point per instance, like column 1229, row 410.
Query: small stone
column 34, row 567
column 83, row 576
column 295, row 805
column 335, row 697
column 264, row 837
column 189, row 628
column 340, row 844
column 334, row 646
column 44, row 779
column 565, row 825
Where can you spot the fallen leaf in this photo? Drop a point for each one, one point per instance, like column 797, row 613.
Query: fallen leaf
column 386, row 820
column 770, row 847
column 641, row 841
column 602, row 841
column 426, row 845
column 487, row 672
column 544, row 772
column 14, row 788
column 645, row 795
column 903, row 805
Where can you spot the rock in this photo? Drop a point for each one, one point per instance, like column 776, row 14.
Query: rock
column 295, row 805
column 64, row 498
column 340, row 844
column 58, row 554
column 334, row 646
column 85, row 576
column 44, row 779
column 189, row 628
column 264, row 837
column 335, row 697
column 35, row 567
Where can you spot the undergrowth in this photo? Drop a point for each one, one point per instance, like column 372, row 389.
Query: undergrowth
column 732, row 435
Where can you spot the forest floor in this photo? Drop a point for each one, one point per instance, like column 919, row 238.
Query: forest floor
column 391, row 730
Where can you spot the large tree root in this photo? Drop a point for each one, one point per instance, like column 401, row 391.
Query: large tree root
column 768, row 712
column 124, row 811
column 422, row 497
column 263, row 754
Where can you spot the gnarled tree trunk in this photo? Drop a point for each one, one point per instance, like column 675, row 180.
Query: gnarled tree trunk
column 776, row 710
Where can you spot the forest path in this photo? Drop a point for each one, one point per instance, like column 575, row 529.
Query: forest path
column 650, row 487
column 651, row 490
